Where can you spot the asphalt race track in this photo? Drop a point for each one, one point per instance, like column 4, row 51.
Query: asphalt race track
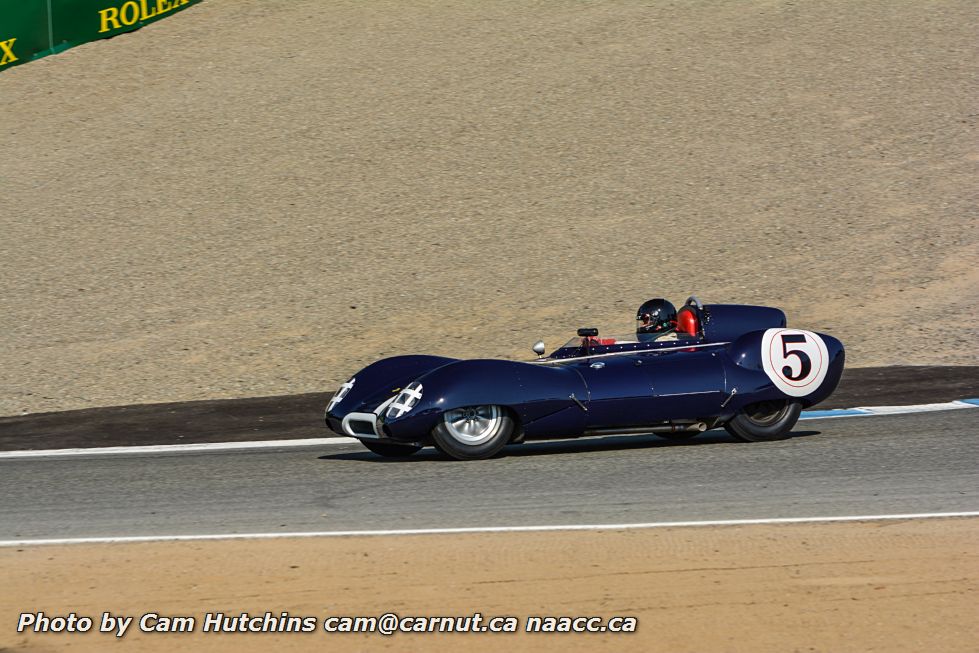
column 848, row 466
column 301, row 416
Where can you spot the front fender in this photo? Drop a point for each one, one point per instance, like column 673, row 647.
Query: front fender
column 533, row 392
column 380, row 381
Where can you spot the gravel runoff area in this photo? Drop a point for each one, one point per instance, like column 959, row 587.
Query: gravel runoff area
column 258, row 197
column 871, row 586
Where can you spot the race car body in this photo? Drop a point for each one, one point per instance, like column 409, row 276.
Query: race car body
column 727, row 365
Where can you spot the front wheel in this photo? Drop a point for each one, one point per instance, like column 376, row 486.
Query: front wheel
column 473, row 433
column 391, row 450
column 765, row 420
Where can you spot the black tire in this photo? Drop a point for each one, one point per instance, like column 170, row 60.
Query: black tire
column 391, row 450
column 461, row 435
column 765, row 421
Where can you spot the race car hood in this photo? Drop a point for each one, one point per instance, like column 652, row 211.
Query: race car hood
column 382, row 380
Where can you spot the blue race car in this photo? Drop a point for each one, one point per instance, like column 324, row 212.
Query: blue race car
column 681, row 373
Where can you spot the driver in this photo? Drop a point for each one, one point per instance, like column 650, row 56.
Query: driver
column 656, row 320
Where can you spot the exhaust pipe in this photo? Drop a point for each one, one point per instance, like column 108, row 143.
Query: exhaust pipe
column 696, row 427
column 689, row 427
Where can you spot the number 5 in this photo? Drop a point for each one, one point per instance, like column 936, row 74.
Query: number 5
column 805, row 363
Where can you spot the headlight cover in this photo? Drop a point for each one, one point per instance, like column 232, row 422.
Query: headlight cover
column 340, row 394
column 405, row 401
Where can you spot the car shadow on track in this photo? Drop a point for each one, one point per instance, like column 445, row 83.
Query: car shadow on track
column 558, row 447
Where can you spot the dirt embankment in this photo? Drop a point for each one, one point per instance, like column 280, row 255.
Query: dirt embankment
column 256, row 198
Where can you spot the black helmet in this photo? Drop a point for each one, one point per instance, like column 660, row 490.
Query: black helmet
column 655, row 315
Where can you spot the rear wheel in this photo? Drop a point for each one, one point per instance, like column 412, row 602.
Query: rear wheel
column 473, row 433
column 765, row 420
column 391, row 450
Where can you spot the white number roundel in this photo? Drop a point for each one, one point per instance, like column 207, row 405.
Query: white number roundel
column 796, row 361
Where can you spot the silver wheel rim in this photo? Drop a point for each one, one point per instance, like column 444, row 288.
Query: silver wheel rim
column 474, row 425
column 766, row 413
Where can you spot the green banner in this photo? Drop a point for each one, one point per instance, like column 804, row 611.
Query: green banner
column 30, row 29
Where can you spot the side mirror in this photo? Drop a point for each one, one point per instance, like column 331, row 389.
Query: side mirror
column 539, row 348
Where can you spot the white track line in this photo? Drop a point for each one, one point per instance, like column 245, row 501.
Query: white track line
column 483, row 529
column 178, row 448
column 916, row 408
column 865, row 411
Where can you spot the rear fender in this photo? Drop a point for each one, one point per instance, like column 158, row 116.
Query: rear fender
column 780, row 362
